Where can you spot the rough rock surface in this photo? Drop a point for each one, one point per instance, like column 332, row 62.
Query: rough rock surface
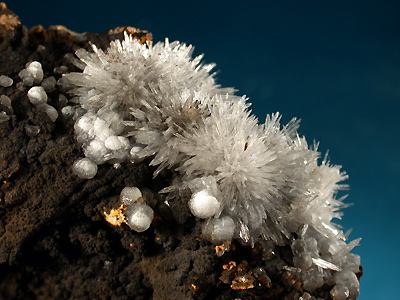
column 54, row 240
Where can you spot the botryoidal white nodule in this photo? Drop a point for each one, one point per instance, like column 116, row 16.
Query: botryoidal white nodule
column 37, row 95
column 203, row 205
column 84, row 168
column 130, row 195
column 219, row 230
column 51, row 112
column 6, row 101
column 139, row 216
column 32, row 74
column 249, row 181
column 5, row 81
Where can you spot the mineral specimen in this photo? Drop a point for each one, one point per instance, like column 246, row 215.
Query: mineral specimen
column 249, row 181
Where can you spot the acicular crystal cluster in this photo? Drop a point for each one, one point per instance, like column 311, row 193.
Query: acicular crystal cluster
column 249, row 181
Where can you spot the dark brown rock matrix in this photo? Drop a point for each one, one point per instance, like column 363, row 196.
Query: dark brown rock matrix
column 54, row 240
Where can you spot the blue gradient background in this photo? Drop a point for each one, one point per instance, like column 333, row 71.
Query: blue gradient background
column 333, row 64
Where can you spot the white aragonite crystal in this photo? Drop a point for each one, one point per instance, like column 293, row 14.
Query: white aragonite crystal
column 68, row 111
column 101, row 129
column 306, row 296
column 113, row 119
column 32, row 74
column 145, row 67
column 96, row 151
column 348, row 279
column 251, row 181
column 5, row 81
column 130, row 195
column 85, row 123
column 134, row 153
column 6, row 101
column 49, row 84
column 139, row 216
column 84, row 168
column 117, row 156
column 84, row 129
column 49, row 110
column 32, row 130
column 203, row 205
column 79, row 112
column 117, row 143
column 219, row 230
column 37, row 95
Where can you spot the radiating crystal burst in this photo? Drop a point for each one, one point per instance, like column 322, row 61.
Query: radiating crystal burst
column 249, row 181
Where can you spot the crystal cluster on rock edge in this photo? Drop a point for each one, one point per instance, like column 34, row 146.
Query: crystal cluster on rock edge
column 249, row 181
column 31, row 76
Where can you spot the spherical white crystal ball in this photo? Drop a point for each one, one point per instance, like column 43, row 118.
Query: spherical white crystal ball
column 139, row 216
column 203, row 205
column 37, row 95
column 84, row 168
column 130, row 195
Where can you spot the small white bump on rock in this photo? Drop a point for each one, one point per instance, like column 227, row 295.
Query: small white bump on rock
column 32, row 74
column 306, row 296
column 203, row 205
column 68, row 111
column 219, row 230
column 84, row 168
column 32, row 130
column 37, row 95
column 130, row 195
column 84, row 127
column 49, row 110
column 133, row 154
column 41, row 49
column 6, row 101
column 5, row 81
column 139, row 216
column 4, row 117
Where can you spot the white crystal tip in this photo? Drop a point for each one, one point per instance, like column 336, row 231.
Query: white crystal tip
column 203, row 205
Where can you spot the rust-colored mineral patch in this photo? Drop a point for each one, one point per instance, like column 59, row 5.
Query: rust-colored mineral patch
column 10, row 22
column 238, row 276
column 229, row 266
column 243, row 282
column 116, row 216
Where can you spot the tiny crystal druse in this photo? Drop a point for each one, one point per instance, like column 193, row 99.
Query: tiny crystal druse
column 249, row 181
